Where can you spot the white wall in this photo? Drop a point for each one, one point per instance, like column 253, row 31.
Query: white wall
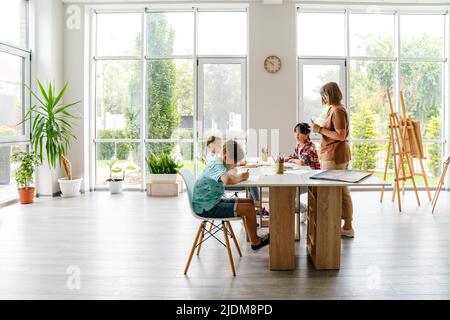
column 76, row 73
column 272, row 97
column 47, row 65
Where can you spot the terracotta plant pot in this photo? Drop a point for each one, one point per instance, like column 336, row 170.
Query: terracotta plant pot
column 26, row 195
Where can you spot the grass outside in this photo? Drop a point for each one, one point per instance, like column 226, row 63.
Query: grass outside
column 432, row 181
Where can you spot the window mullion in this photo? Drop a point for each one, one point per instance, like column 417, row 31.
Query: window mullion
column 195, row 93
column 143, row 113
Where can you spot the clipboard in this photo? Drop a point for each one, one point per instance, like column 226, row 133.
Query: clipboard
column 352, row 176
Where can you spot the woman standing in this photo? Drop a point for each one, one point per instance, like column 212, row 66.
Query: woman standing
column 334, row 147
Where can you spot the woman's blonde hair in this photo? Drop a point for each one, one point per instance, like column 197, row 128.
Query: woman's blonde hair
column 331, row 91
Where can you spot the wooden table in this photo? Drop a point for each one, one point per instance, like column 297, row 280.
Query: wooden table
column 324, row 215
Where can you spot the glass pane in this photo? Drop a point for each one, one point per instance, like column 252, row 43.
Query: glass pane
column 317, row 38
column 372, row 35
column 433, row 162
column 421, row 83
column 422, row 36
column 119, row 34
column 118, row 99
column 183, row 152
column 369, row 109
column 14, row 22
column 170, row 104
column 369, row 156
column 8, row 187
column 170, row 33
column 223, row 108
column 314, row 76
column 222, row 33
column 124, row 154
column 11, row 95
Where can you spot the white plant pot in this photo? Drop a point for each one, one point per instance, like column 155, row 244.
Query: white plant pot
column 115, row 187
column 164, row 178
column 70, row 188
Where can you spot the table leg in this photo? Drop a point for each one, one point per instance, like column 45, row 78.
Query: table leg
column 324, row 227
column 281, row 247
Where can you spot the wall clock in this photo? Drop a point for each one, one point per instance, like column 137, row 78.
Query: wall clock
column 272, row 64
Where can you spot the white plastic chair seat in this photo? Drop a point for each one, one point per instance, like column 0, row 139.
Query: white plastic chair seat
column 199, row 217
column 189, row 181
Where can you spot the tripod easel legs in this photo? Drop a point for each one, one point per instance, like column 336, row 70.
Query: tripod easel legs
column 440, row 184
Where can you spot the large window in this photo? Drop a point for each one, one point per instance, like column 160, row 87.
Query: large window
column 383, row 51
column 14, row 100
column 164, row 80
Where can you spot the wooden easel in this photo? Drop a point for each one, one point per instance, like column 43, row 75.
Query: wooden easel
column 440, row 184
column 413, row 141
column 398, row 137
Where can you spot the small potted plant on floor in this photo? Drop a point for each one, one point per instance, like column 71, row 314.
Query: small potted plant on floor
column 117, row 176
column 163, row 169
column 23, row 174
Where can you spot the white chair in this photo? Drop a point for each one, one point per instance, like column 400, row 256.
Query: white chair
column 224, row 226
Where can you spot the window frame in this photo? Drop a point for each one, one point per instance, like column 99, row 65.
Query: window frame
column 145, row 57
column 23, row 52
column 398, row 11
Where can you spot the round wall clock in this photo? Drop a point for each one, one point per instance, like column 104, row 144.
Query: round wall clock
column 272, row 64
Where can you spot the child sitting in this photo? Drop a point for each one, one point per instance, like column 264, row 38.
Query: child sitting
column 208, row 194
column 305, row 154
column 213, row 149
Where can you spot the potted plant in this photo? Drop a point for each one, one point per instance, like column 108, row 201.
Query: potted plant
column 24, row 174
column 163, row 169
column 51, row 123
column 116, row 183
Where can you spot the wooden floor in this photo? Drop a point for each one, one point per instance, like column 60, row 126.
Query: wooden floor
column 134, row 247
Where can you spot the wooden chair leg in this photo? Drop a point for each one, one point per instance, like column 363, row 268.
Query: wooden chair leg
column 193, row 247
column 201, row 239
column 227, row 242
column 234, row 238
column 244, row 224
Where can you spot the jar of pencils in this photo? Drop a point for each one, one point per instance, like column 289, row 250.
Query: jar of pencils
column 264, row 154
column 279, row 165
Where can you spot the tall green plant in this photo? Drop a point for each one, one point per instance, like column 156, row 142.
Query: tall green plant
column 24, row 172
column 51, row 126
column 162, row 164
